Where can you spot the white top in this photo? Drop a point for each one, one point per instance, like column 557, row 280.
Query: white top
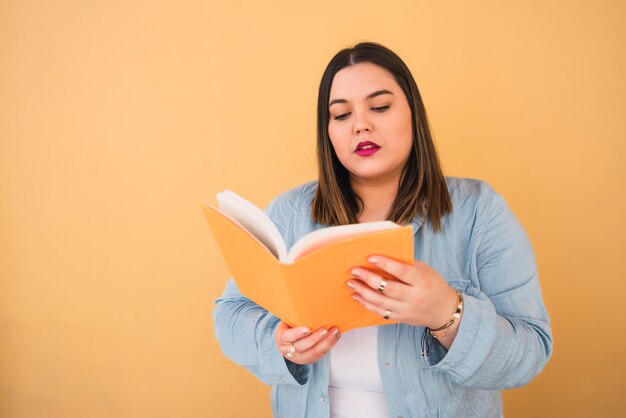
column 356, row 389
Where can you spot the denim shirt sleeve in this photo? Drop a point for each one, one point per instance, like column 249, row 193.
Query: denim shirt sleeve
column 504, row 338
column 245, row 330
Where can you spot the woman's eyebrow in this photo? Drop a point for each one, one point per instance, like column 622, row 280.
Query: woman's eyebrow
column 369, row 96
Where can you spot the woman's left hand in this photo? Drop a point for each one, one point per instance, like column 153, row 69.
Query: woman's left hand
column 418, row 295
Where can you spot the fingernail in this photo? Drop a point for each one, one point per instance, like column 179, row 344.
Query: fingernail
column 305, row 331
column 350, row 284
column 355, row 298
column 336, row 333
column 323, row 332
column 373, row 260
column 356, row 273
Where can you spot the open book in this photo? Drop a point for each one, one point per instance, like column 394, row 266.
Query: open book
column 304, row 286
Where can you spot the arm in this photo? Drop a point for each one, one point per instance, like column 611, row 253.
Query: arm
column 258, row 340
column 245, row 332
column 504, row 338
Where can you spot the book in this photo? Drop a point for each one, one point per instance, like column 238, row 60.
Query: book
column 306, row 284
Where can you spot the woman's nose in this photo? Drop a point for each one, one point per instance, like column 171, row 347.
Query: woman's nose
column 361, row 124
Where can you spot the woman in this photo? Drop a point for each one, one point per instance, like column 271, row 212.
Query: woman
column 471, row 320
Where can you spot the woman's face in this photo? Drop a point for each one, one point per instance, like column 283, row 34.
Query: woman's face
column 370, row 124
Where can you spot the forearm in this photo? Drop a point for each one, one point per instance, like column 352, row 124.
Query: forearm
column 492, row 351
column 245, row 332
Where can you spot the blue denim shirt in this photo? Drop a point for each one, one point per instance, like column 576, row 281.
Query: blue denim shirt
column 503, row 341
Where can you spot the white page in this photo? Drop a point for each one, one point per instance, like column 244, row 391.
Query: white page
column 254, row 220
column 322, row 237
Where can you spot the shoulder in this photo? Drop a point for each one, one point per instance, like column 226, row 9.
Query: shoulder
column 460, row 187
column 296, row 198
column 473, row 202
column 468, row 193
column 293, row 202
column 478, row 206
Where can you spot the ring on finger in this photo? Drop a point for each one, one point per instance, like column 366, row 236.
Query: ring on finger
column 382, row 285
column 387, row 314
column 291, row 351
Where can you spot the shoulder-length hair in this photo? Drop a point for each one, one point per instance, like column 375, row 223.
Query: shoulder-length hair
column 422, row 189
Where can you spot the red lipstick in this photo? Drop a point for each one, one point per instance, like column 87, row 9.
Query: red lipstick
column 366, row 148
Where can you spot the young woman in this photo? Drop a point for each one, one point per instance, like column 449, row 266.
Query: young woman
column 470, row 317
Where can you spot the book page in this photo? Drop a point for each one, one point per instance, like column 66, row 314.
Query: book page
column 317, row 239
column 254, row 220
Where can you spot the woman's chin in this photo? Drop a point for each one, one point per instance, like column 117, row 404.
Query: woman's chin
column 370, row 176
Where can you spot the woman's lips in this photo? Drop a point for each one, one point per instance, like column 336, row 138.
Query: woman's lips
column 367, row 152
column 367, row 148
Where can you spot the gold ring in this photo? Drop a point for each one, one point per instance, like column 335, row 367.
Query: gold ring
column 292, row 351
column 387, row 314
column 382, row 285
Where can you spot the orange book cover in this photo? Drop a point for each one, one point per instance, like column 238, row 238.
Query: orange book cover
column 311, row 291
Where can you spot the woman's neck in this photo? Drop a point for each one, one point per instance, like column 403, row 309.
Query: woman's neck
column 377, row 198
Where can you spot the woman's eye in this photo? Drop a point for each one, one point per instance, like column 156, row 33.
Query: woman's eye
column 342, row 116
column 380, row 108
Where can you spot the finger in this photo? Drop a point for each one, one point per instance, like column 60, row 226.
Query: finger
column 323, row 346
column 384, row 312
column 391, row 288
column 290, row 335
column 304, row 343
column 290, row 351
column 405, row 272
column 374, row 297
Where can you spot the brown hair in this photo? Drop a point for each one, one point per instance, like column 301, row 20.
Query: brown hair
column 422, row 189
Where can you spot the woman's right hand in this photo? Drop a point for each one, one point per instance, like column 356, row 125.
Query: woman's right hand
column 299, row 345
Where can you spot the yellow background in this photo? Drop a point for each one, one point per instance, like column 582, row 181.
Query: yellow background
column 117, row 119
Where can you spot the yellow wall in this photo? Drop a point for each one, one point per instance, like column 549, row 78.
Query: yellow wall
column 117, row 119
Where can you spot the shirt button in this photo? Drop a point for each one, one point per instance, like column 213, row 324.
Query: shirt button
column 388, row 365
column 322, row 399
